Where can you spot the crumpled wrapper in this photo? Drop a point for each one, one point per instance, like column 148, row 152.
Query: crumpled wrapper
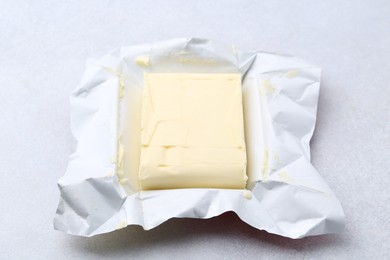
column 285, row 195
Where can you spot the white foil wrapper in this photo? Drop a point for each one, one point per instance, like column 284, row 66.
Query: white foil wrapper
column 285, row 195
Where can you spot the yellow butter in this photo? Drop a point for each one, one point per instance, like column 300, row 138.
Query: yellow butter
column 192, row 132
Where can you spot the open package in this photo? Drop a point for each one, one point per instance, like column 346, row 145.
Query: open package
column 192, row 128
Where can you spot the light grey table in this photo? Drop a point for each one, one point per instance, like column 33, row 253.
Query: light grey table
column 43, row 48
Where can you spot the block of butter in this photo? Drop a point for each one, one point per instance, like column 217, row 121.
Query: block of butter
column 192, row 132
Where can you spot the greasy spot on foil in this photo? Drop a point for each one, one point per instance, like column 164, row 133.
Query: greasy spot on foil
column 266, row 88
column 143, row 60
column 121, row 151
column 264, row 168
column 285, row 177
column 123, row 181
column 122, row 224
column 247, row 194
column 121, row 87
column 292, row 74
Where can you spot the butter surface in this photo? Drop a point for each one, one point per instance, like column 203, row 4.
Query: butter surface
column 192, row 132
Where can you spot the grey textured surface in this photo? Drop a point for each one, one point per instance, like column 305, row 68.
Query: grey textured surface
column 43, row 48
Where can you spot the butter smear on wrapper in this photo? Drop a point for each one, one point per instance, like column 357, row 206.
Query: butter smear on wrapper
column 192, row 128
